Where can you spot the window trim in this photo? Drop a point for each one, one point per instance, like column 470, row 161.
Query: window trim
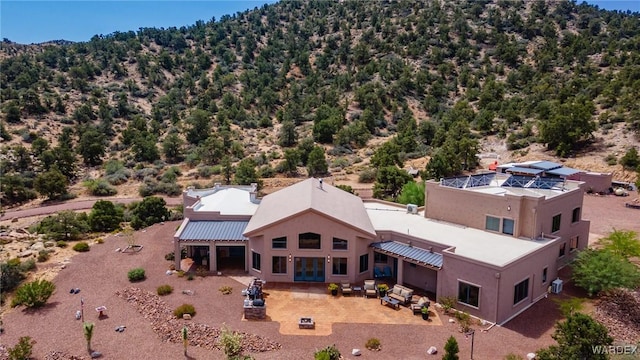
column 513, row 226
column 520, row 301
column 486, row 223
column 471, row 285
column 284, row 261
column 279, row 238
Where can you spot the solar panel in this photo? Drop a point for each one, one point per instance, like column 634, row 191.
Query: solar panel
column 517, row 181
column 455, row 182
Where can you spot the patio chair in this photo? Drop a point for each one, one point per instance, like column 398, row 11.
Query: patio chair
column 370, row 288
column 377, row 273
column 422, row 302
column 345, row 287
column 387, row 272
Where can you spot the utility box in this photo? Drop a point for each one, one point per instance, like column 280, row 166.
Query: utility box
column 556, row 286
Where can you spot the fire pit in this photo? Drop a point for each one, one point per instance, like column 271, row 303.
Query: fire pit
column 306, row 323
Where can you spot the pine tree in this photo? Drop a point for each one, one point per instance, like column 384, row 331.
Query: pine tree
column 451, row 349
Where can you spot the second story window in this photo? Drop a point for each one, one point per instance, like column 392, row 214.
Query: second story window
column 555, row 223
column 309, row 241
column 279, row 243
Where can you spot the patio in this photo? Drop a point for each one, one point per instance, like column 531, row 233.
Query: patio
column 287, row 303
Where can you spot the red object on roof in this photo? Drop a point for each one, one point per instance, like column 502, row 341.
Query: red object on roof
column 493, row 166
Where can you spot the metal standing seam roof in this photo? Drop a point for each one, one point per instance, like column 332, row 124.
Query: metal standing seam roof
column 410, row 252
column 524, row 170
column 563, row 171
column 214, row 230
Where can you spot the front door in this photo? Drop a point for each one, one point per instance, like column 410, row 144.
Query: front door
column 309, row 269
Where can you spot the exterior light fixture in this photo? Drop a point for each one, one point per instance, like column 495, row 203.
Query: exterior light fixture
column 289, row 257
column 508, row 207
column 328, row 258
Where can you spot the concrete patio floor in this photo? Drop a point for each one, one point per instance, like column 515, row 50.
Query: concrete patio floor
column 287, row 303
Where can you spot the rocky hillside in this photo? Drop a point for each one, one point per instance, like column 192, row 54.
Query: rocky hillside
column 316, row 88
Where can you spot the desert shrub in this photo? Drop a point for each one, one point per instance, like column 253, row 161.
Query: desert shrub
column 231, row 343
column 513, row 356
column 367, row 176
column 99, row 241
column 180, row 273
column 373, row 344
column 27, row 265
column 226, row 290
column 33, row 294
column 202, row 271
column 22, row 350
column 328, row 353
column 184, row 309
column 464, row 319
column 136, row 274
column 61, row 244
column 165, row 290
column 81, row 247
column 43, row 255
column 611, row 160
column 100, row 187
column 447, row 302
column 10, row 275
column 170, row 256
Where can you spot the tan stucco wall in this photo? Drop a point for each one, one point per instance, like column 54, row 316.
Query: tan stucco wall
column 328, row 228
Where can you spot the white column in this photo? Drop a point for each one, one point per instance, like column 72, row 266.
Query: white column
column 400, row 270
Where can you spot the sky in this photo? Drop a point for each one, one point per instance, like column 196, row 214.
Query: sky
column 27, row 21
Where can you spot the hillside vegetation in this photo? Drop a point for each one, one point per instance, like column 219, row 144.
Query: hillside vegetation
column 319, row 87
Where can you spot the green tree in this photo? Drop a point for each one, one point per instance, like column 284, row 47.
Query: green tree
column 412, row 193
column 601, row 270
column 92, row 146
column 246, row 172
column 227, row 169
column 67, row 225
column 288, row 135
column 451, row 349
column 33, row 294
column 576, row 337
column 51, row 184
column 317, row 162
column 172, row 148
column 12, row 113
column 622, row 243
column 149, row 211
column 198, row 126
column 386, row 155
column 105, row 216
column 630, row 160
column 389, row 182
column 570, row 123
column 290, row 163
column 14, row 190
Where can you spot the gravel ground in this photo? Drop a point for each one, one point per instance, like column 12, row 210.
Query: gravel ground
column 102, row 273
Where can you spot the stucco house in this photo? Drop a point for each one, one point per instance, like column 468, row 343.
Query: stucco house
column 493, row 241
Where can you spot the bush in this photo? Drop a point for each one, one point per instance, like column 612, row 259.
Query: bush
column 27, row 265
column 328, row 353
column 33, row 294
column 367, row 176
column 225, row 290
column 373, row 344
column 170, row 256
column 43, row 255
column 165, row 290
column 61, row 244
column 448, row 303
column 100, row 187
column 81, row 247
column 184, row 309
column 136, row 274
column 231, row 343
column 10, row 275
column 22, row 350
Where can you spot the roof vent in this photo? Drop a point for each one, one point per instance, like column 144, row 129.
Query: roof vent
column 320, row 184
column 412, row 209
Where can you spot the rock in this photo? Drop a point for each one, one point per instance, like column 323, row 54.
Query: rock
column 25, row 253
column 186, row 316
column 78, row 315
column 169, row 272
column 118, row 250
column 49, row 244
column 95, row 354
column 37, row 246
column 356, row 352
column 531, row 356
column 432, row 350
column 451, row 321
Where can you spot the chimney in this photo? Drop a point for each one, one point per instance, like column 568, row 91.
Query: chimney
column 253, row 194
column 320, row 184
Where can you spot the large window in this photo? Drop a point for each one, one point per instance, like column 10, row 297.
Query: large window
column 255, row 260
column 364, row 263
column 339, row 244
column 279, row 264
column 339, row 266
column 492, row 223
column 575, row 215
column 563, row 249
column 555, row 223
column 309, row 241
column 573, row 243
column 468, row 294
column 279, row 243
column 521, row 291
column 507, row 226
column 379, row 258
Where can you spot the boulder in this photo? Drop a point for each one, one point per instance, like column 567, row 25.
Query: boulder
column 432, row 350
column 186, row 316
column 451, row 321
column 49, row 244
column 531, row 356
column 356, row 352
column 37, row 246
column 96, row 354
column 25, row 253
